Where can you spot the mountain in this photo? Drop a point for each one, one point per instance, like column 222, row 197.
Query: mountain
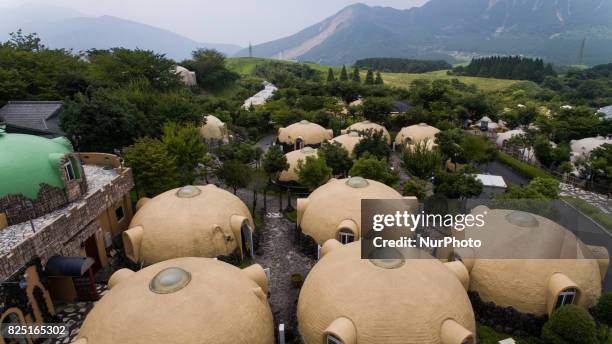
column 63, row 28
column 449, row 29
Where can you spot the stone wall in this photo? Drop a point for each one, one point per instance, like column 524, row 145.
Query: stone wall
column 19, row 208
column 506, row 319
column 65, row 233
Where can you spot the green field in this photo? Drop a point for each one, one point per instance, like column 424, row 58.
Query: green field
column 245, row 65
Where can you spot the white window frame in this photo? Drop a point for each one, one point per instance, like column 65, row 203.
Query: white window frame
column 567, row 297
column 70, row 173
column 344, row 235
column 331, row 339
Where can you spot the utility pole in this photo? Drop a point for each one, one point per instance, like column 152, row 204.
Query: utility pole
column 581, row 53
column 250, row 49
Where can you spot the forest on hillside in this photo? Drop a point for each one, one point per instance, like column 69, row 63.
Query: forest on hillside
column 400, row 65
column 507, row 67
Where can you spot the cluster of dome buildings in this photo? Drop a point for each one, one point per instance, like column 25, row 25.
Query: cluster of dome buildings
column 303, row 138
column 183, row 293
column 345, row 298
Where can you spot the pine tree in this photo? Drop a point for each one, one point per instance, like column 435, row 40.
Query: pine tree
column 330, row 75
column 343, row 74
column 378, row 80
column 369, row 79
column 355, row 77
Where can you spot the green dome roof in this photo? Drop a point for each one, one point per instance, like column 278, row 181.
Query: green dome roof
column 27, row 161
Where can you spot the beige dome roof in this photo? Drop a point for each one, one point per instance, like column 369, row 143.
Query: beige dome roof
column 196, row 221
column 528, row 284
column 292, row 159
column 337, row 204
column 213, row 302
column 365, row 125
column 311, row 133
column 417, row 133
column 213, row 129
column 348, row 141
column 410, row 303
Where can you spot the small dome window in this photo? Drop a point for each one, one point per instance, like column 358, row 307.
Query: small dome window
column 357, row 182
column 387, row 258
column 353, row 134
column 304, row 121
column 331, row 339
column 307, row 150
column 522, row 219
column 170, row 280
column 188, row 191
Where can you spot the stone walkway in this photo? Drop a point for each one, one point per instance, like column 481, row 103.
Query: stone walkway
column 283, row 259
column 600, row 201
column 73, row 314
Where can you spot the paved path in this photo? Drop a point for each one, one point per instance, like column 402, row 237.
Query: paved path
column 598, row 200
column 265, row 142
column 284, row 259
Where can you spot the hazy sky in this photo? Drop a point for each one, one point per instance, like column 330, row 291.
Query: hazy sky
column 219, row 21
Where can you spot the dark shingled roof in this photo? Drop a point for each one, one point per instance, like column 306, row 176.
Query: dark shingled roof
column 401, row 107
column 37, row 117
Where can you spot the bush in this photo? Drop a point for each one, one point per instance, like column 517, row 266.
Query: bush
column 603, row 310
column 570, row 325
column 523, row 168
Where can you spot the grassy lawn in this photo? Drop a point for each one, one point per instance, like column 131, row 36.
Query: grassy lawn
column 245, row 65
column 489, row 336
column 592, row 211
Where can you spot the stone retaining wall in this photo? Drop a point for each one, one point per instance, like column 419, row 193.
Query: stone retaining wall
column 65, row 233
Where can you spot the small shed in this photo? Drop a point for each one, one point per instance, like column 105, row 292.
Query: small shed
column 491, row 185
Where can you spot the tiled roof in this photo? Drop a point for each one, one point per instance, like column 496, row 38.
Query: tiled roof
column 34, row 115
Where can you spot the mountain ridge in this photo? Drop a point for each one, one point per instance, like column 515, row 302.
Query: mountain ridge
column 69, row 29
column 453, row 28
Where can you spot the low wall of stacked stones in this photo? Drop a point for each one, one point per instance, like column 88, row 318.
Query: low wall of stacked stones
column 19, row 208
column 65, row 234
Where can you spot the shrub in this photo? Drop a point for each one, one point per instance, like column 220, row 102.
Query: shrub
column 570, row 325
column 603, row 310
column 523, row 168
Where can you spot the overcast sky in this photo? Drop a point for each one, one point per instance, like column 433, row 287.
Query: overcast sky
column 219, row 21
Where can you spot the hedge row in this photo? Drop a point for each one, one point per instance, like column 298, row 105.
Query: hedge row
column 523, row 168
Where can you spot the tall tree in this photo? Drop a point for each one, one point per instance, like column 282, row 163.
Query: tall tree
column 100, row 122
column 185, row 145
column 374, row 143
column 370, row 167
column 379, row 79
column 355, row 76
column 421, row 161
column 273, row 162
column 457, row 185
column 336, row 157
column 313, row 172
column 369, row 79
column 154, row 169
column 234, row 174
column 344, row 74
column 330, row 75
column 210, row 68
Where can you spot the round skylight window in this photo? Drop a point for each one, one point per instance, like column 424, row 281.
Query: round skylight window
column 387, row 258
column 357, row 182
column 307, row 150
column 169, row 280
column 522, row 219
column 188, row 191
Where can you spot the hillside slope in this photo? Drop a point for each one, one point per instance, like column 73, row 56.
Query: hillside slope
column 64, row 28
column 455, row 28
